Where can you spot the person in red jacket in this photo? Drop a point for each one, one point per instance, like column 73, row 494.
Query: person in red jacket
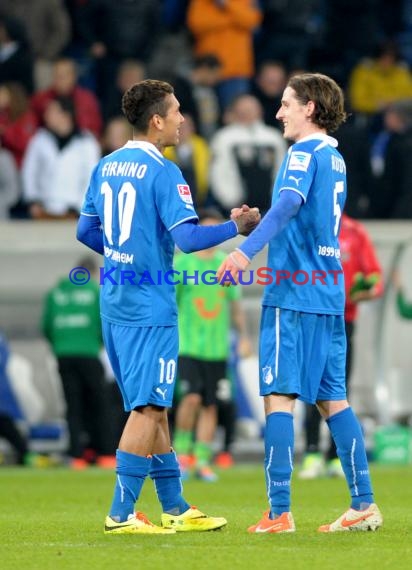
column 64, row 84
column 18, row 122
column 363, row 282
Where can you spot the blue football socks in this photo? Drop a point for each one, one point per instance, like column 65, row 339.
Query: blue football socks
column 131, row 471
column 347, row 434
column 279, row 449
column 165, row 472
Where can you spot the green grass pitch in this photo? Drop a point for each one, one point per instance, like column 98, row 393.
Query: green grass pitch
column 53, row 519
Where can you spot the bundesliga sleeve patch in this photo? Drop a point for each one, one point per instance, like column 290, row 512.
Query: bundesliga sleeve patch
column 184, row 193
column 299, row 160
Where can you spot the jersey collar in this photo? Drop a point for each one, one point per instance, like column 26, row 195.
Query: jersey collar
column 320, row 137
column 144, row 145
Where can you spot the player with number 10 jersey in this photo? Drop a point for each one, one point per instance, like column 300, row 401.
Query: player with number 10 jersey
column 130, row 192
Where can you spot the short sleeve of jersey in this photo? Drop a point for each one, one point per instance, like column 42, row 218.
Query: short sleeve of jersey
column 88, row 207
column 173, row 197
column 300, row 168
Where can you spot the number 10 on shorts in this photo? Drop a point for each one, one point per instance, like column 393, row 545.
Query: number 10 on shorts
column 167, row 371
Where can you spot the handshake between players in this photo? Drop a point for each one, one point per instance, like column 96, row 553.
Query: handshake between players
column 246, row 219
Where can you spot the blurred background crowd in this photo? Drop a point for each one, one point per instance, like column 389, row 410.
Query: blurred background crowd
column 64, row 65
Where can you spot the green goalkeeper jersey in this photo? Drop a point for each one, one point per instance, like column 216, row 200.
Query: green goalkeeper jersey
column 204, row 310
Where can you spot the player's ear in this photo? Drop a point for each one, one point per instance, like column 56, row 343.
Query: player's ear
column 157, row 122
column 310, row 109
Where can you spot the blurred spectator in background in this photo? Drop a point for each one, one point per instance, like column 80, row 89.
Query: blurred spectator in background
column 192, row 155
column 174, row 14
column 58, row 163
column 363, row 282
column 196, row 94
column 268, row 87
column 131, row 71
column 225, row 29
column 47, row 25
column 9, row 183
column 246, row 156
column 285, row 34
column 349, row 31
column 64, row 84
column 18, row 122
column 114, row 31
column 115, row 135
column 355, row 147
column 392, row 198
column 376, row 82
column 206, row 312
column 71, row 323
column 16, row 61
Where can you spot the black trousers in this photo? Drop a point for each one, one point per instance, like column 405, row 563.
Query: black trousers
column 226, row 412
column 88, row 409
column 11, row 433
column 313, row 417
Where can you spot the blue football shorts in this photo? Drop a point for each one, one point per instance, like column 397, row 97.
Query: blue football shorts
column 302, row 354
column 144, row 362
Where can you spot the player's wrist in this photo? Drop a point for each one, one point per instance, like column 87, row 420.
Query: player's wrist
column 243, row 254
column 239, row 260
column 236, row 226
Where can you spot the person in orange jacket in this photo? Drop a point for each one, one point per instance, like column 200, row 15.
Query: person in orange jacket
column 225, row 29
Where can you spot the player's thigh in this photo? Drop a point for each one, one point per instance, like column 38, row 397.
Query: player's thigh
column 147, row 360
column 112, row 355
column 279, row 351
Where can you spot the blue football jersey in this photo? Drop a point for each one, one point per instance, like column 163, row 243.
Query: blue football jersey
column 139, row 196
column 305, row 257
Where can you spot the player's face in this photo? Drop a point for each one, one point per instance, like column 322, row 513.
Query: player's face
column 172, row 122
column 294, row 116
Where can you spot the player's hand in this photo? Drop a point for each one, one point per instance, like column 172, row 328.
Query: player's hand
column 233, row 263
column 246, row 220
column 236, row 212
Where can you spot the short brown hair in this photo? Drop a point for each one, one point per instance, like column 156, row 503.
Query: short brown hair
column 328, row 97
column 145, row 99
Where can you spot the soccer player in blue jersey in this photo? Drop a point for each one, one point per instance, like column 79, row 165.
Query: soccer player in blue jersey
column 302, row 335
column 136, row 208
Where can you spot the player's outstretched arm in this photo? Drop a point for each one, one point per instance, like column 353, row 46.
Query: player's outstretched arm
column 189, row 236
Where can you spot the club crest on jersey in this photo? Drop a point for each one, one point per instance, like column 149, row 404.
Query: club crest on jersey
column 184, row 193
column 299, row 160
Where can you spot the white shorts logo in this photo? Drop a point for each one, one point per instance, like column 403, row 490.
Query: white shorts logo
column 299, row 161
column 267, row 375
column 162, row 392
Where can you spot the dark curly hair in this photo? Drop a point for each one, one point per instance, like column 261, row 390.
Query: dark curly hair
column 327, row 96
column 145, row 99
